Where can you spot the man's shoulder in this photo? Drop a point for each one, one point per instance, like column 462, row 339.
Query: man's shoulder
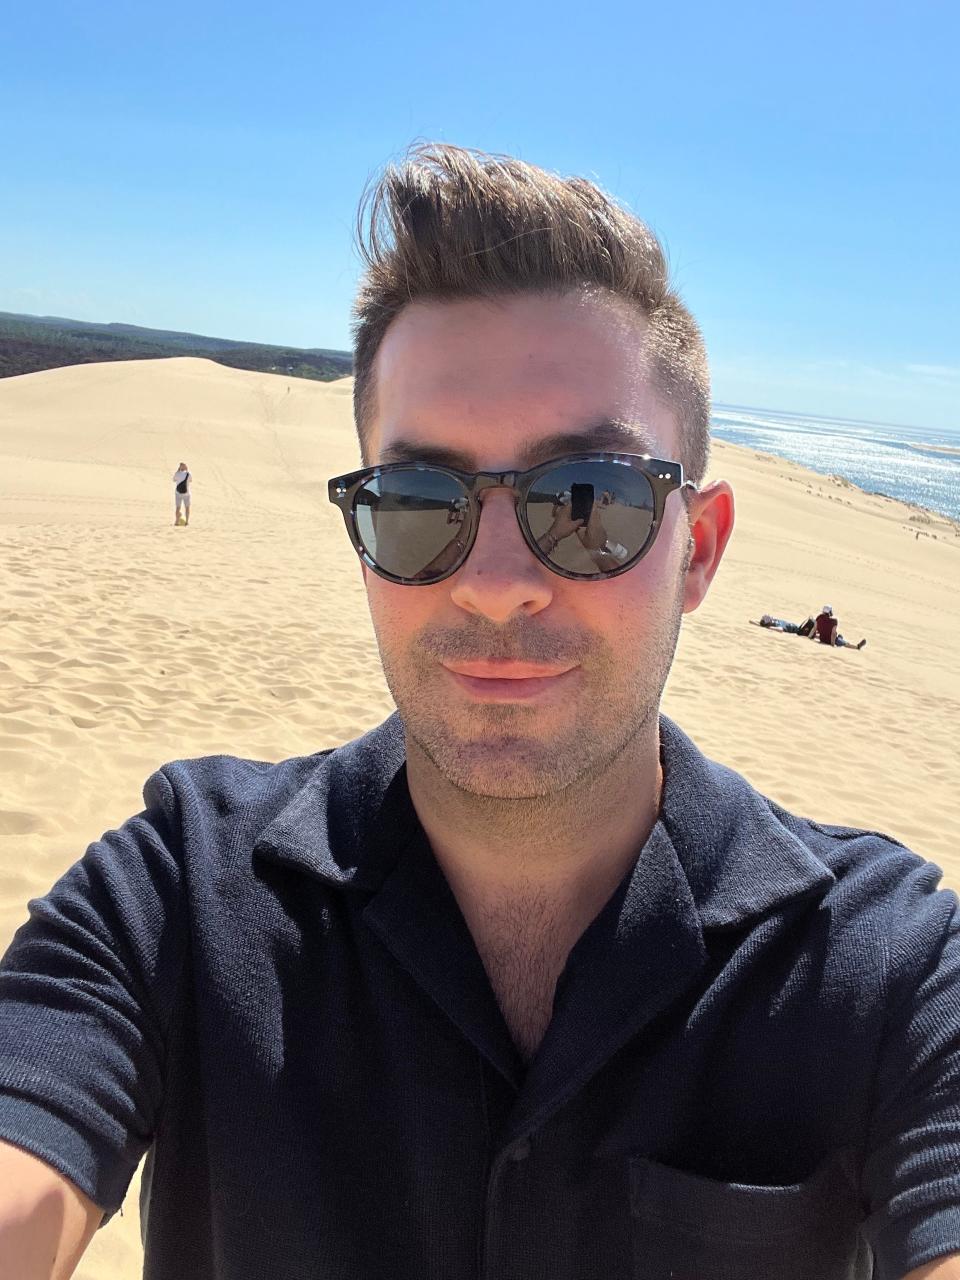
column 861, row 858
column 321, row 812
column 231, row 782
column 836, row 842
column 881, row 920
column 205, row 799
column 886, row 908
column 745, row 854
column 352, row 770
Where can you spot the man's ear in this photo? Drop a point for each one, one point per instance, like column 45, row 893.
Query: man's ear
column 711, row 518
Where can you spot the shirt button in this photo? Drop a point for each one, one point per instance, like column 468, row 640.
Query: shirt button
column 520, row 1150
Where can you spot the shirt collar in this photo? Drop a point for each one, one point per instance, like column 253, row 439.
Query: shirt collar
column 344, row 822
column 739, row 857
column 349, row 822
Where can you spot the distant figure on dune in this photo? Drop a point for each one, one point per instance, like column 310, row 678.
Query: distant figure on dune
column 181, row 487
column 823, row 627
column 791, row 628
column 828, row 630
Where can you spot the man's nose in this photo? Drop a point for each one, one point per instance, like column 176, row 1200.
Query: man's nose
column 501, row 576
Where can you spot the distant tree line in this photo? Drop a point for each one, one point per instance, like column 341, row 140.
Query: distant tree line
column 31, row 343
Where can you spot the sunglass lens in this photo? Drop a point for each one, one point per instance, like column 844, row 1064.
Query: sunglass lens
column 614, row 500
column 410, row 522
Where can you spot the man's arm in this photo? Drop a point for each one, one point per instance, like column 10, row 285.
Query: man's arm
column 910, row 1174
column 45, row 1221
column 947, row 1268
column 88, row 988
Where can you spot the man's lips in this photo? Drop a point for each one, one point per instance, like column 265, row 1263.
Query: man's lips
column 492, row 669
column 490, row 681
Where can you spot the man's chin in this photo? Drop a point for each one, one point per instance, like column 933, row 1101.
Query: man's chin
column 503, row 766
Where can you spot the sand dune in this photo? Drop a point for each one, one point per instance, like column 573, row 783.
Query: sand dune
column 125, row 642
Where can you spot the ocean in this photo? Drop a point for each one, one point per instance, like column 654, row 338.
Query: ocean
column 911, row 463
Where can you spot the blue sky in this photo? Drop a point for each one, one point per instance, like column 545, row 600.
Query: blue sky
column 197, row 167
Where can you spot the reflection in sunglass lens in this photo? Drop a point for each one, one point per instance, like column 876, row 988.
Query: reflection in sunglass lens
column 410, row 521
column 613, row 502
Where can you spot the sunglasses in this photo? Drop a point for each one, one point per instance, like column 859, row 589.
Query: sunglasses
column 585, row 516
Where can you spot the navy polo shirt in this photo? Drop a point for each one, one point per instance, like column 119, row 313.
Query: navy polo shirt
column 264, row 978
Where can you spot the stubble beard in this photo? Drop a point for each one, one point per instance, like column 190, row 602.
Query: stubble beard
column 495, row 752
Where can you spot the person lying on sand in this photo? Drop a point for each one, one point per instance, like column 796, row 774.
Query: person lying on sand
column 810, row 628
column 791, row 628
column 519, row 985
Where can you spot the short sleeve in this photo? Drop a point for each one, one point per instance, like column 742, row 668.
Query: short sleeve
column 912, row 1163
column 86, row 989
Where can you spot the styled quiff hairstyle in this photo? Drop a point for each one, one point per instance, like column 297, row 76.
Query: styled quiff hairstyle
column 449, row 224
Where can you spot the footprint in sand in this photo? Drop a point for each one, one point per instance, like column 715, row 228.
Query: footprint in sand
column 287, row 693
column 15, row 822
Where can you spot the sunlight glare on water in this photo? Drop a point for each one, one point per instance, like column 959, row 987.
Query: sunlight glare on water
column 902, row 462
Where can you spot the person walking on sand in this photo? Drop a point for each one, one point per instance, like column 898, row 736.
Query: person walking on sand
column 181, row 485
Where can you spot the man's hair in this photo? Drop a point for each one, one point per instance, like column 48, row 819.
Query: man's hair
column 449, row 224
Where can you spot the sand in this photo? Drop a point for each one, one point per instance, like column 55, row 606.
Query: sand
column 126, row 642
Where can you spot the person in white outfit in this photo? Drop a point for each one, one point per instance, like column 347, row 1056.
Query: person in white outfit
column 181, row 485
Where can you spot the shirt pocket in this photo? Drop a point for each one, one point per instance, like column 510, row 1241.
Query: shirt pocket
column 690, row 1228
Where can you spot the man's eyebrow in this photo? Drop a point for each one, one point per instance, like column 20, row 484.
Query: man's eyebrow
column 609, row 436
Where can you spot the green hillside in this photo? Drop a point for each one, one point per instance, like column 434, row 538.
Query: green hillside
column 31, row 343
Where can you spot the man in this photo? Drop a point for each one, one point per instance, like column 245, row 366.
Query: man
column 181, row 493
column 828, row 632
column 518, row 985
column 826, row 625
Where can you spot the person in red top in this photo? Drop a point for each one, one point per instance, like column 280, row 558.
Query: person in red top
column 827, row 630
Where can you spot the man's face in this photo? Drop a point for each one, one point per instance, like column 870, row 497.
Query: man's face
column 485, row 381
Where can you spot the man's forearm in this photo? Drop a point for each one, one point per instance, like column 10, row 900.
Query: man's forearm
column 45, row 1221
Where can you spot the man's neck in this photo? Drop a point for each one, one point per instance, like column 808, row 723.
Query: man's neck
column 530, row 876
column 569, row 850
